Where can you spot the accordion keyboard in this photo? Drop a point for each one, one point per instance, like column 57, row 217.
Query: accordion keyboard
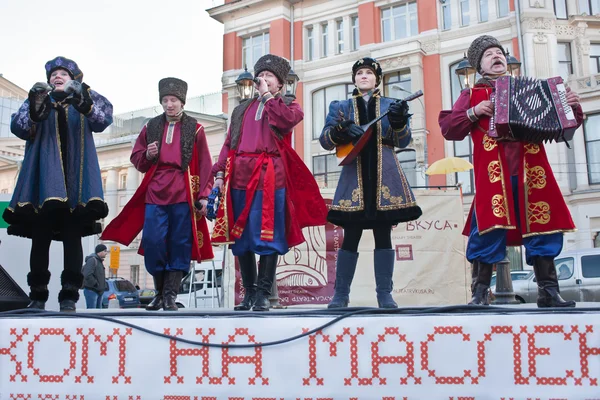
column 562, row 94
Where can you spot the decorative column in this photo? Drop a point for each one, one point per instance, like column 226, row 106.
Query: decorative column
column 132, row 181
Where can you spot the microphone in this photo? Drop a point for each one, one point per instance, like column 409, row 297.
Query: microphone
column 256, row 80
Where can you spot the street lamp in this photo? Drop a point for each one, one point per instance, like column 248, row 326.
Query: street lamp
column 245, row 84
column 291, row 83
column 466, row 73
column 512, row 64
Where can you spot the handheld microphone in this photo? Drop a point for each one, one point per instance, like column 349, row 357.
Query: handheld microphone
column 256, row 80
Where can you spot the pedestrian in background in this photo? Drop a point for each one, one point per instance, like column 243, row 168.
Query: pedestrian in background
column 94, row 277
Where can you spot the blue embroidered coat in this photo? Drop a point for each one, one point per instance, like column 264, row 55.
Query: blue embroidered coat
column 372, row 190
column 51, row 180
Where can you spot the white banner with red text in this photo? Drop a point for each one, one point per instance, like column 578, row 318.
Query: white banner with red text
column 437, row 357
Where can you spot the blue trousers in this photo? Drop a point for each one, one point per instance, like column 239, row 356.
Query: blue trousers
column 490, row 247
column 167, row 238
column 92, row 299
column 250, row 240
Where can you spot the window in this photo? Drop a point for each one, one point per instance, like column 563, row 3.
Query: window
column 134, row 274
column 591, row 134
column 355, row 33
column 597, row 240
column 502, row 8
column 123, row 181
column 463, row 149
column 560, row 9
column 589, row 7
column 311, row 43
column 408, row 162
column 564, row 268
column 594, row 58
column 326, row 170
column 104, row 184
column 464, row 12
column 399, row 22
column 339, row 34
column 483, row 10
column 590, row 266
column 397, row 84
column 565, row 65
column 446, row 15
column 4, row 191
column 324, row 39
column 320, row 104
column 8, row 106
column 254, row 47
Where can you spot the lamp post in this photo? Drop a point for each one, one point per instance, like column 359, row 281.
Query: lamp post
column 466, row 73
column 291, row 83
column 245, row 84
column 512, row 64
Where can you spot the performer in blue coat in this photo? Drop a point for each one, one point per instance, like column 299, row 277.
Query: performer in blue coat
column 58, row 195
column 373, row 192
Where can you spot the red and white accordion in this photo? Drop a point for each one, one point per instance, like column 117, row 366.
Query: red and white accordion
column 531, row 110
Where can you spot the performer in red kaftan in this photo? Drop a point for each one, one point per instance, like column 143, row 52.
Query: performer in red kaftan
column 170, row 204
column 269, row 194
column 518, row 200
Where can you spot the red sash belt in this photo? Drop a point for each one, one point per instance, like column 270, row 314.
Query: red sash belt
column 268, row 203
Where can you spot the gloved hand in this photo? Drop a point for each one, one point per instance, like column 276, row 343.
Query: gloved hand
column 81, row 100
column 398, row 115
column 39, row 102
column 346, row 132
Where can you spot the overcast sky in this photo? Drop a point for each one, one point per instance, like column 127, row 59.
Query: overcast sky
column 123, row 47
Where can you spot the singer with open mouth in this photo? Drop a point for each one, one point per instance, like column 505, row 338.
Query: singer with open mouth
column 58, row 195
column 367, row 197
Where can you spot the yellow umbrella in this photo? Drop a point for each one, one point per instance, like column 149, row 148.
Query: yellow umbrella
column 449, row 165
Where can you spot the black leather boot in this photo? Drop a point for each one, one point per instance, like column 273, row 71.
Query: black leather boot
column 482, row 284
column 170, row 289
column 248, row 271
column 474, row 274
column 69, row 295
column 345, row 267
column 547, row 281
column 38, row 283
column 384, row 272
column 157, row 302
column 266, row 275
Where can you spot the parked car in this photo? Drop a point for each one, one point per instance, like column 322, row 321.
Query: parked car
column 206, row 288
column 122, row 290
column 519, row 278
column 578, row 278
column 146, row 296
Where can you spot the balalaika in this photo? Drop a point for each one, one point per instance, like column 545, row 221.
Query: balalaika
column 531, row 110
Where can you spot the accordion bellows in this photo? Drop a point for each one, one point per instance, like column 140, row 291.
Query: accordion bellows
column 531, row 110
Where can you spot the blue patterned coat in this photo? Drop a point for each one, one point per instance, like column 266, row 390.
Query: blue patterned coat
column 47, row 180
column 372, row 190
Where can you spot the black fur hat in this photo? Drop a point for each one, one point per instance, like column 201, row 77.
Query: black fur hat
column 372, row 64
column 172, row 87
column 277, row 65
column 479, row 46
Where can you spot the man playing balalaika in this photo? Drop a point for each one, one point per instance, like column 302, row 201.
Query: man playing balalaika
column 518, row 200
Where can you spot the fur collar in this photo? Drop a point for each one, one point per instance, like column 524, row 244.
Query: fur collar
column 156, row 128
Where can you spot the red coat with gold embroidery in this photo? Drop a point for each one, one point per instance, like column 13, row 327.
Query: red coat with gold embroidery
column 541, row 204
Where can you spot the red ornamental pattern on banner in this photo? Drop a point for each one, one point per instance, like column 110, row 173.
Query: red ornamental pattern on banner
column 419, row 369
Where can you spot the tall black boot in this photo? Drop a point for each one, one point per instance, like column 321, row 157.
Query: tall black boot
column 482, row 284
column 170, row 289
column 266, row 275
column 71, row 282
column 248, row 271
column 345, row 267
column 157, row 301
column 384, row 271
column 38, row 283
column 474, row 274
column 547, row 281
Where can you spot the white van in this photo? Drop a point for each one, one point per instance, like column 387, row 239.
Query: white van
column 578, row 274
column 206, row 292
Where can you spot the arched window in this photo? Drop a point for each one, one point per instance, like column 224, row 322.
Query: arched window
column 320, row 104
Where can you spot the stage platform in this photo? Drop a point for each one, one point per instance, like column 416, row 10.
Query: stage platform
column 449, row 353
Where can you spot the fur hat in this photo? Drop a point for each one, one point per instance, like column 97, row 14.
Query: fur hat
column 172, row 87
column 479, row 46
column 372, row 64
column 275, row 64
column 64, row 63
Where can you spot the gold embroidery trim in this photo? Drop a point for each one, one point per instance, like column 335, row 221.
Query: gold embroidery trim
column 498, row 206
column 535, row 177
column 488, row 143
column 538, row 213
column 494, row 171
column 531, row 148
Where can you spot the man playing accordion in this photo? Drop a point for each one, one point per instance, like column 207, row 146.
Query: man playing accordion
column 518, row 201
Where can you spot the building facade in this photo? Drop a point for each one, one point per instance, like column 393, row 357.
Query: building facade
column 419, row 43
